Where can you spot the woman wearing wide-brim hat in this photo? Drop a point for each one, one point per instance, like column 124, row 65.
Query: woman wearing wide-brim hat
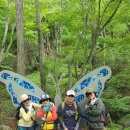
column 27, row 113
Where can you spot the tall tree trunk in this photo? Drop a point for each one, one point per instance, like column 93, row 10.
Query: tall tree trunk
column 58, row 98
column 40, row 46
column 20, row 37
column 8, row 47
column 70, row 63
column 96, row 30
column 92, row 56
column 56, row 39
column 76, row 70
column 2, row 51
column 48, row 48
column 70, row 74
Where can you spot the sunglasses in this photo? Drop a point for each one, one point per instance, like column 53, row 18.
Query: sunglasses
column 71, row 96
column 26, row 100
column 88, row 94
column 45, row 100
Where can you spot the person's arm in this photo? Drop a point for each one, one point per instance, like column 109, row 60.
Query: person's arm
column 40, row 113
column 54, row 114
column 62, row 123
column 91, row 109
column 36, row 105
column 60, row 116
column 80, row 114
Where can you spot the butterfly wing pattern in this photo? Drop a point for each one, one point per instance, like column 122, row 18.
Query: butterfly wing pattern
column 95, row 80
column 17, row 84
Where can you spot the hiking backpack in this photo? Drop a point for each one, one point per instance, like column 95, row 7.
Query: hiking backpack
column 107, row 117
column 17, row 117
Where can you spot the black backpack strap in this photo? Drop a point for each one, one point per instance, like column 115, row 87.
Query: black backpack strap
column 25, row 109
column 75, row 107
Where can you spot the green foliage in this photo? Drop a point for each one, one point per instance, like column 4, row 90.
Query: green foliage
column 120, row 29
column 69, row 23
column 116, row 95
column 114, row 127
column 6, row 107
column 5, row 67
column 127, row 128
column 34, row 77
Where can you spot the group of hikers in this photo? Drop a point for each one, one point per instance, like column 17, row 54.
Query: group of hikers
column 67, row 116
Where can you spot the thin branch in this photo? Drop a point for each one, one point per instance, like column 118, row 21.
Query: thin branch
column 7, row 22
column 105, row 10
column 74, row 54
column 111, row 15
column 70, row 65
column 99, row 17
column 10, row 41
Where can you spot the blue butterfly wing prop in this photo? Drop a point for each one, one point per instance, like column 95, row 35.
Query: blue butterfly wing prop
column 95, row 80
column 17, row 84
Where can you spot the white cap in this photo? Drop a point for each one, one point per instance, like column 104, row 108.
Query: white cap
column 70, row 92
column 44, row 96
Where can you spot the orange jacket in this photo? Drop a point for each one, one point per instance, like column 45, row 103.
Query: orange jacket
column 53, row 117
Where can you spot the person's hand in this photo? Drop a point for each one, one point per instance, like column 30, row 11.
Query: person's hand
column 93, row 101
column 51, row 103
column 42, row 107
column 86, row 106
column 30, row 107
column 46, row 108
column 77, row 126
column 65, row 128
column 43, row 119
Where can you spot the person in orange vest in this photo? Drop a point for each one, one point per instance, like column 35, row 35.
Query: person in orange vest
column 47, row 113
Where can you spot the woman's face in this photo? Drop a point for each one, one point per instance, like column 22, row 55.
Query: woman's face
column 26, row 102
column 45, row 102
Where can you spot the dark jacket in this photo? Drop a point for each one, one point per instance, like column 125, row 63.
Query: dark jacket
column 67, row 116
column 95, row 114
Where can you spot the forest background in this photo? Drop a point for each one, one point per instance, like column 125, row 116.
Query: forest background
column 57, row 42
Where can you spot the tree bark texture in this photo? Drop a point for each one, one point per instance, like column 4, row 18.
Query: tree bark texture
column 70, row 63
column 20, row 37
column 3, row 49
column 96, row 30
column 40, row 46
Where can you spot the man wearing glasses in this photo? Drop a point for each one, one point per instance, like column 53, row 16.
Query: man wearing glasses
column 69, row 113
